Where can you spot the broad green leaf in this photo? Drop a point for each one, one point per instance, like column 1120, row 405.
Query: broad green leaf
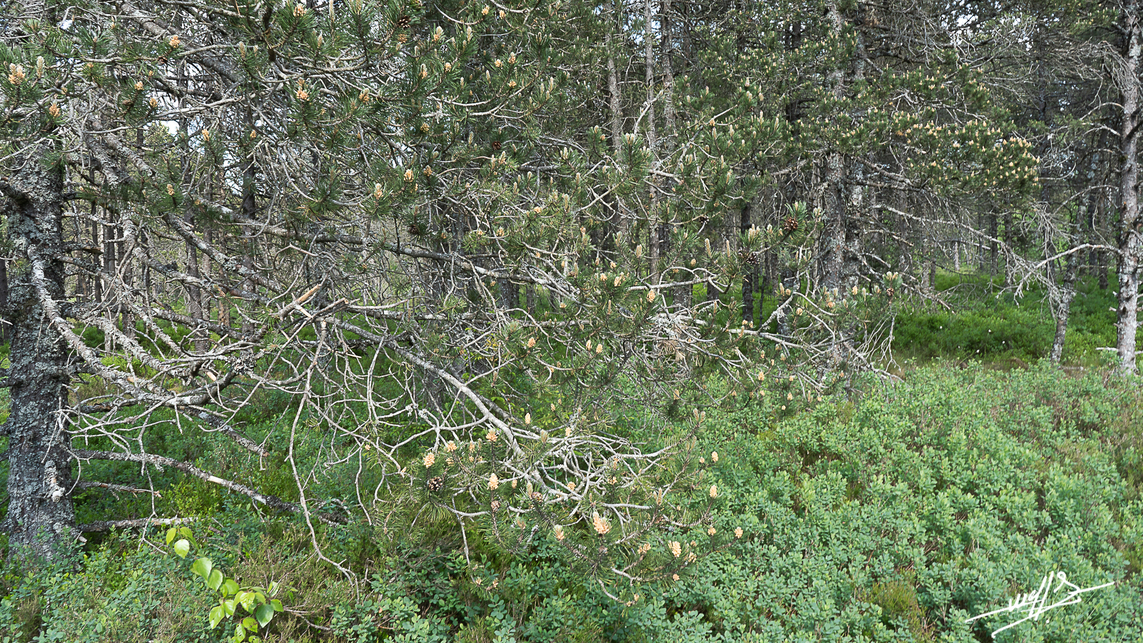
column 182, row 547
column 273, row 589
column 171, row 534
column 202, row 567
column 259, row 597
column 216, row 616
column 214, row 581
column 229, row 606
column 239, row 633
column 250, row 624
column 229, row 587
column 264, row 613
column 277, row 605
column 248, row 601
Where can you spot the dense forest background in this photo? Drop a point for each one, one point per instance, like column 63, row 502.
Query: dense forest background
column 420, row 320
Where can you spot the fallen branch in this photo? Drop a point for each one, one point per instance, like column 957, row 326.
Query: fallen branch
column 162, row 461
column 105, row 525
column 88, row 484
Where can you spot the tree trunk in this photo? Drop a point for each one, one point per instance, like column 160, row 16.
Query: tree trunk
column 652, row 138
column 1131, row 241
column 993, row 249
column 616, row 110
column 96, row 281
column 250, row 211
column 5, row 331
column 749, row 272
column 194, row 294
column 665, row 49
column 666, row 143
column 617, row 220
column 1101, row 256
column 1064, row 305
column 40, row 511
column 841, row 195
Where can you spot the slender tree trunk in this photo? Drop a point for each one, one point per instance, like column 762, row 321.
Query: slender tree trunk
column 126, row 274
column 666, row 47
column 749, row 272
column 649, row 74
column 614, row 104
column 194, row 294
column 618, row 221
column 96, row 281
column 250, row 211
column 5, row 332
column 666, row 143
column 652, row 138
column 1010, row 239
column 40, row 511
column 1131, row 242
column 993, row 249
column 111, row 264
column 1101, row 255
column 1064, row 305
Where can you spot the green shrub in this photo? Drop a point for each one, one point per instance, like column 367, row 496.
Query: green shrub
column 985, row 323
column 894, row 515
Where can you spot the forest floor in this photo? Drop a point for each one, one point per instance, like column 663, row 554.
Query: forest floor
column 898, row 512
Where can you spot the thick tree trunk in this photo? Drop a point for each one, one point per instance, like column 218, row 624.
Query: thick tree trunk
column 40, row 511
column 1131, row 241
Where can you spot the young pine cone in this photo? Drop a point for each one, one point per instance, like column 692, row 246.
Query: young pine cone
column 403, row 22
column 436, row 483
column 790, row 224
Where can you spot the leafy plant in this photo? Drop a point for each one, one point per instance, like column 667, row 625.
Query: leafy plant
column 258, row 603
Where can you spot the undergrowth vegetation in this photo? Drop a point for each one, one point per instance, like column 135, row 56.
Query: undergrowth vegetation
column 990, row 323
column 894, row 514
